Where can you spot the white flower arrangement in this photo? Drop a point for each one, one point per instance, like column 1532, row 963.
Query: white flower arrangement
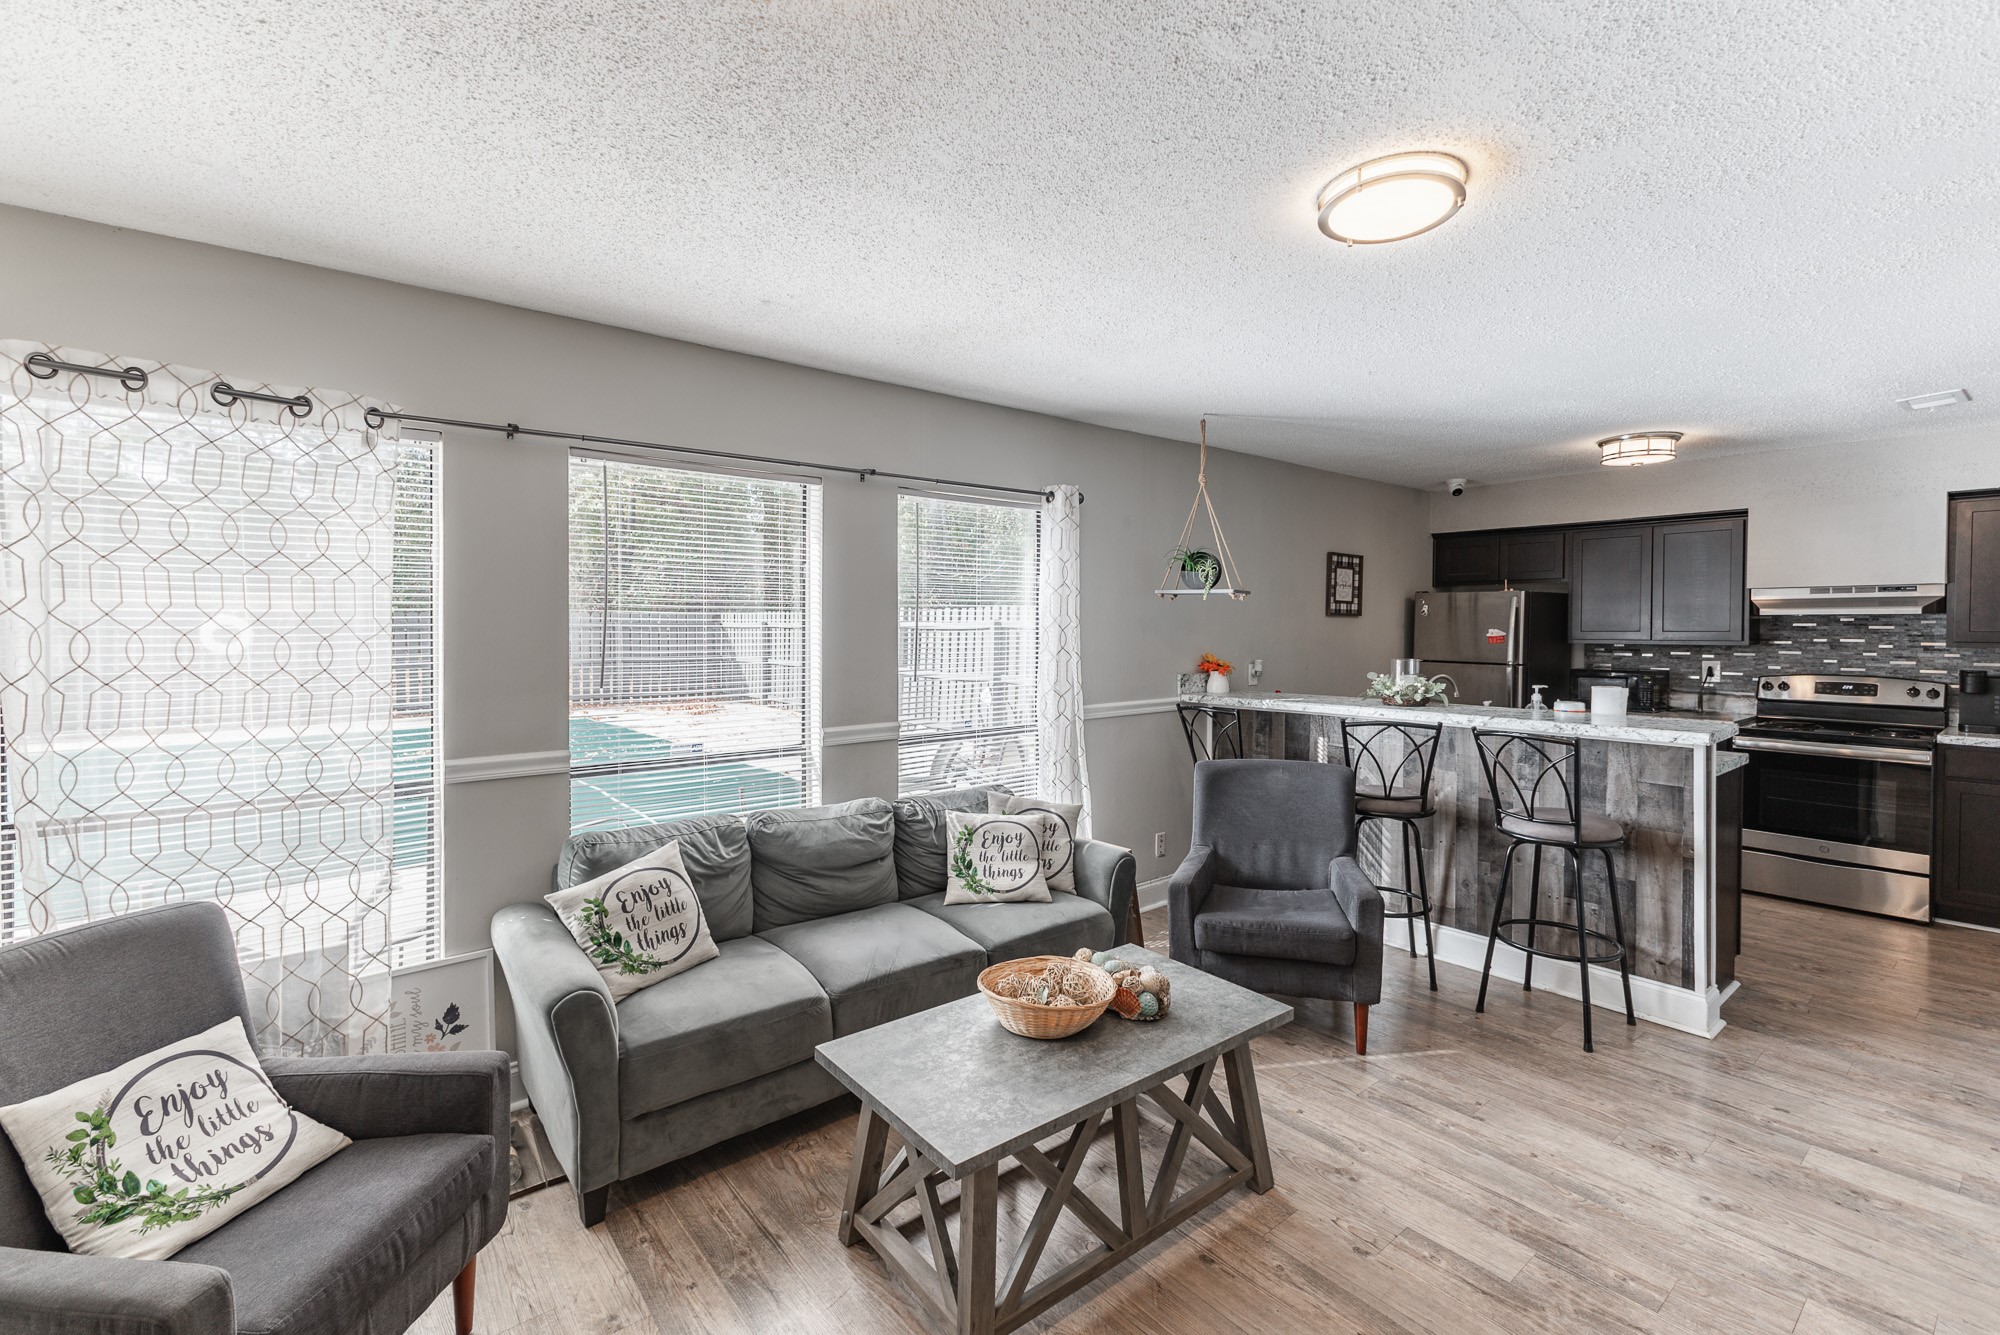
column 1409, row 691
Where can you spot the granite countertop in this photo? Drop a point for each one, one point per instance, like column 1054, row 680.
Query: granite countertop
column 1648, row 729
column 1725, row 761
column 1953, row 737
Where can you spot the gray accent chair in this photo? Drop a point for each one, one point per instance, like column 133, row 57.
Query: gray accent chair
column 1270, row 896
column 829, row 920
column 360, row 1245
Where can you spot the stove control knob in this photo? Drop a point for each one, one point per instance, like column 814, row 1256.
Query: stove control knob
column 1914, row 692
column 1931, row 694
column 1784, row 686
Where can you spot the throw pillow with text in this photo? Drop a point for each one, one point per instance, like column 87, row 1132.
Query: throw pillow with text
column 639, row 924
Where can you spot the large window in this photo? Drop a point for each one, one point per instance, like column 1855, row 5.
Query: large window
column 966, row 643
column 694, row 643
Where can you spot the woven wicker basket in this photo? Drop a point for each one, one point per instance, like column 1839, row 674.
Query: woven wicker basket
column 1031, row 1019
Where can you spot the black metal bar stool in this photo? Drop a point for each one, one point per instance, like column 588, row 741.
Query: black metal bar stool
column 1392, row 765
column 1537, row 788
column 1224, row 734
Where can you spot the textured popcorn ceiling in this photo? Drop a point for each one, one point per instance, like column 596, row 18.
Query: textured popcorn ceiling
column 1758, row 223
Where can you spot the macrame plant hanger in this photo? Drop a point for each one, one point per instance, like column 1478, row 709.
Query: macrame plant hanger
column 1228, row 579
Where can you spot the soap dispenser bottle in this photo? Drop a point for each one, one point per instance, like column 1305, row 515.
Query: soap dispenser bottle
column 1536, row 701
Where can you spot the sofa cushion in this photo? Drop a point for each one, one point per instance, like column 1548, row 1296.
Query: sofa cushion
column 751, row 1010
column 811, row 862
column 1009, row 931
column 882, row 963
column 1306, row 925
column 920, row 850
column 309, row 1259
column 714, row 849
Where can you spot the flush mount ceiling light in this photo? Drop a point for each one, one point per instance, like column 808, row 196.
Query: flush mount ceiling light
column 1637, row 447
column 1392, row 198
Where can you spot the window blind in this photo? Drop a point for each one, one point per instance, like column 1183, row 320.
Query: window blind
column 966, row 643
column 416, row 903
column 694, row 643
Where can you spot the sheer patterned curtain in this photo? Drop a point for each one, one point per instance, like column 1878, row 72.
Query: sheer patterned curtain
column 1065, row 775
column 195, row 632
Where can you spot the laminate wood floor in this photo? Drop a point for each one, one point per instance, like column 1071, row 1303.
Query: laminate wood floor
column 1830, row 1163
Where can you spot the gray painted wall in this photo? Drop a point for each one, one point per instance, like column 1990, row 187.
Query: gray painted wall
column 1866, row 512
column 504, row 590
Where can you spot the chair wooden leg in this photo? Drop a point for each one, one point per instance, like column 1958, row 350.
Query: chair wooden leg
column 1360, row 1030
column 461, row 1298
column 590, row 1205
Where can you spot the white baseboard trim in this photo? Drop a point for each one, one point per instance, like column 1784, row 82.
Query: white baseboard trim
column 1127, row 708
column 850, row 734
column 1674, row 1007
column 517, row 1093
column 1153, row 894
column 519, row 765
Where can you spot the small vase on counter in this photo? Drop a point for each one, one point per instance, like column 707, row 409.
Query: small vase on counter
column 1218, row 683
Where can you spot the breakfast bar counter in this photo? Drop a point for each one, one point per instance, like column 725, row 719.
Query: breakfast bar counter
column 1661, row 776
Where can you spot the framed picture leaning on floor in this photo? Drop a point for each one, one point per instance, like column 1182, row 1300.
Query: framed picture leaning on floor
column 443, row 1005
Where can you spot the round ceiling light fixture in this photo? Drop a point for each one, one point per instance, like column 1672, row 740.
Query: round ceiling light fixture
column 1392, row 198
column 1637, row 447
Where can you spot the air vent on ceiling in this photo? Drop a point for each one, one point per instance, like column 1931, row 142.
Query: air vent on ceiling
column 1918, row 403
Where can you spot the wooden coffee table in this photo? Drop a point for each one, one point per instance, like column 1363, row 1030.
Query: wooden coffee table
column 965, row 1095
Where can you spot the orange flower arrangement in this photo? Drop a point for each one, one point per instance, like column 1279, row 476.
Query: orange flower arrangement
column 1210, row 663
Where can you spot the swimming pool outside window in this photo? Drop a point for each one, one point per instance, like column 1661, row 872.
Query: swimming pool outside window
column 694, row 642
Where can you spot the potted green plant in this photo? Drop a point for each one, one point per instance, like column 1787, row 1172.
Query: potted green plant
column 1199, row 569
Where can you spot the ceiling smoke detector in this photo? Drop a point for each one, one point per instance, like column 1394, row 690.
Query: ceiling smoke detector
column 1918, row 403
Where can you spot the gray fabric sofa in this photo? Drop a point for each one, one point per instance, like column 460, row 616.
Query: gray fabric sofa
column 829, row 920
column 1270, row 896
column 360, row 1245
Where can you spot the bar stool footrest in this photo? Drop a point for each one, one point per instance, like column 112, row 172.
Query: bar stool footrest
column 1616, row 952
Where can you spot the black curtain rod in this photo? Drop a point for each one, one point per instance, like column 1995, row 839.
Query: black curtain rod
column 376, row 417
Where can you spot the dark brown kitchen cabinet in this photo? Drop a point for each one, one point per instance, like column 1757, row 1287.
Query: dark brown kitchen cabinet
column 1698, row 593
column 1611, row 584
column 1465, row 558
column 1965, row 853
column 1972, row 598
column 1535, row 557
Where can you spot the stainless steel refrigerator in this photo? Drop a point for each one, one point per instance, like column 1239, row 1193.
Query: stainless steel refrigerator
column 1495, row 646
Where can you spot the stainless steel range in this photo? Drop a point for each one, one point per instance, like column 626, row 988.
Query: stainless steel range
column 1837, row 802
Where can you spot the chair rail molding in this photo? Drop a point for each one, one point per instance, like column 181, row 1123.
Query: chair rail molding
column 850, row 734
column 1127, row 708
column 517, row 765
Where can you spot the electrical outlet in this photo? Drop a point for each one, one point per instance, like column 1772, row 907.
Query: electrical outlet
column 1160, row 844
column 1711, row 671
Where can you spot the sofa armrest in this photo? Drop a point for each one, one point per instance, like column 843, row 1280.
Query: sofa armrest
column 407, row 1094
column 566, row 1039
column 1108, row 875
column 1362, row 903
column 1190, row 885
column 58, row 1293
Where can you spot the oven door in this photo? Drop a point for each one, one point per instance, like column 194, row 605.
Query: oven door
column 1852, row 832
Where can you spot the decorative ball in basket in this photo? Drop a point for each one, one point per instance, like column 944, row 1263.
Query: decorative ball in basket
column 1046, row 996
column 1143, row 992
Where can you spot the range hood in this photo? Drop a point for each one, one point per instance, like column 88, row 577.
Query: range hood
column 1850, row 600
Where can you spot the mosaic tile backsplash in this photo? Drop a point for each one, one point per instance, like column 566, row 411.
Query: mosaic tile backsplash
column 1868, row 646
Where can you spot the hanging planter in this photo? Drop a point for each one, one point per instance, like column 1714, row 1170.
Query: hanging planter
column 1194, row 567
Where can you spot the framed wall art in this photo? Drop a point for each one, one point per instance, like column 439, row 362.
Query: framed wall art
column 1343, row 584
column 443, row 1006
